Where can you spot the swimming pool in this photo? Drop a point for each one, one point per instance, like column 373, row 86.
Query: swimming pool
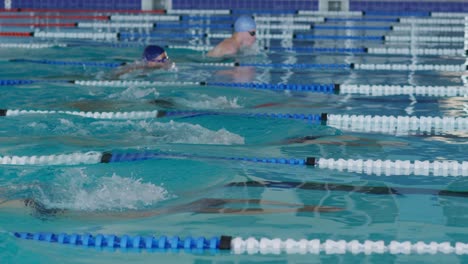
column 236, row 132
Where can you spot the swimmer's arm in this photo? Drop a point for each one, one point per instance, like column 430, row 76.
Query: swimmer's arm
column 255, row 211
column 124, row 70
column 250, row 211
column 259, row 201
column 133, row 67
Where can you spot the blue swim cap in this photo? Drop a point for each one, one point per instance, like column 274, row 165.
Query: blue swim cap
column 244, row 24
column 151, row 52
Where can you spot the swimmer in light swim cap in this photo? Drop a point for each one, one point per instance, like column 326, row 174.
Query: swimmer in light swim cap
column 244, row 36
column 153, row 57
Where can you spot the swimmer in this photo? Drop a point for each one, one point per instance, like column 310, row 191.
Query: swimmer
column 107, row 105
column 243, row 36
column 328, row 186
column 342, row 140
column 204, row 206
column 153, row 57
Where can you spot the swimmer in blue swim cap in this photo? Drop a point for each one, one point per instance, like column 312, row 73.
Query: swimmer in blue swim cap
column 153, row 57
column 244, row 36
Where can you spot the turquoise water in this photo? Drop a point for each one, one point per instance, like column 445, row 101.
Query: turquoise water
column 110, row 198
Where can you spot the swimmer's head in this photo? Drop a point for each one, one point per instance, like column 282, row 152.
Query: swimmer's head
column 244, row 24
column 246, row 27
column 154, row 54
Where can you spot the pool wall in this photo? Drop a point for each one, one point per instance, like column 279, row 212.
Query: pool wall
column 280, row 5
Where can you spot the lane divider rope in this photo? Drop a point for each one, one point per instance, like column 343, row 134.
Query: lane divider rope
column 145, row 18
column 134, row 36
column 95, row 115
column 362, row 123
column 249, row 246
column 320, row 66
column 32, row 45
column 369, row 90
column 371, row 167
column 386, row 51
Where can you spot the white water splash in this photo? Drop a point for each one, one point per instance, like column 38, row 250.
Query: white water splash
column 134, row 92
column 174, row 132
column 77, row 191
column 171, row 132
column 204, row 101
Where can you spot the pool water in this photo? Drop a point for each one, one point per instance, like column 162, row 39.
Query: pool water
column 136, row 198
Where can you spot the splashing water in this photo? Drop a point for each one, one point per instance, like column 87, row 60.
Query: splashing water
column 175, row 132
column 207, row 102
column 134, row 92
column 80, row 192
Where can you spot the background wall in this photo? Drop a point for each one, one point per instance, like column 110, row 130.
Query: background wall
column 75, row 4
column 354, row 5
column 247, row 4
column 389, row 5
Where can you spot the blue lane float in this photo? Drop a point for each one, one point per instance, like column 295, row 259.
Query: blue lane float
column 320, row 88
column 131, row 242
column 115, row 157
column 11, row 82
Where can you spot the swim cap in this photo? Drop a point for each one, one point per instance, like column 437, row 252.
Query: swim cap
column 151, row 52
column 244, row 24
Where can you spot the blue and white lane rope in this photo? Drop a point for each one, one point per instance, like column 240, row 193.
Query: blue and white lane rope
column 125, row 83
column 369, row 90
column 249, row 246
column 307, row 50
column 381, row 38
column 94, row 115
column 371, row 167
column 317, row 66
column 311, row 118
column 361, row 123
column 386, row 51
column 148, row 25
column 311, row 50
column 138, row 36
